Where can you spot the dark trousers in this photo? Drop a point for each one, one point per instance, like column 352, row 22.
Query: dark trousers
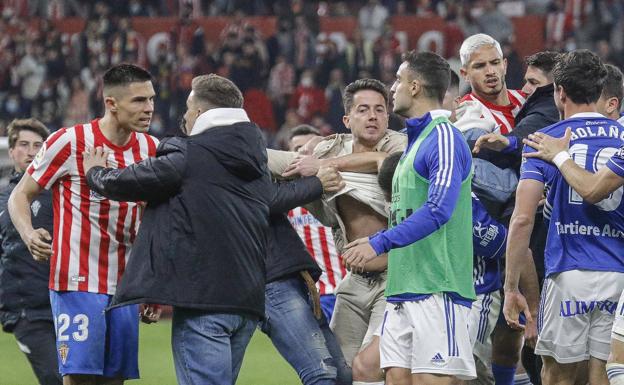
column 38, row 342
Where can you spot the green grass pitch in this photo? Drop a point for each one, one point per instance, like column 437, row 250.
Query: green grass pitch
column 262, row 364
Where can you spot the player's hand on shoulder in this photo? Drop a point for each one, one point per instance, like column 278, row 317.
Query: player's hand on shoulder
column 546, row 146
column 39, row 243
column 94, row 157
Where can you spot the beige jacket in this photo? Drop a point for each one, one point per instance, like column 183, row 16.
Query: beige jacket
column 363, row 187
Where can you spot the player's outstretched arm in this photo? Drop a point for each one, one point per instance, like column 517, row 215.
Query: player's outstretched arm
column 152, row 179
column 364, row 162
column 38, row 241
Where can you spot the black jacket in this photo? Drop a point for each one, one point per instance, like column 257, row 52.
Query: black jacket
column 203, row 240
column 287, row 254
column 538, row 112
column 23, row 281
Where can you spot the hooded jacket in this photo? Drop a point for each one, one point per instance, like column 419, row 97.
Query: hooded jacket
column 203, row 240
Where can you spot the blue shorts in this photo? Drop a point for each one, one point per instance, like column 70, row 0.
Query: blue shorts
column 327, row 305
column 92, row 341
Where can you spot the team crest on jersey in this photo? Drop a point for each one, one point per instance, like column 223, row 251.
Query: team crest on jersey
column 620, row 153
column 34, row 207
column 479, row 230
column 39, row 157
column 95, row 196
column 63, row 351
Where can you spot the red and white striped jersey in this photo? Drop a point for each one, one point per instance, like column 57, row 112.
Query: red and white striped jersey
column 92, row 234
column 320, row 243
column 503, row 115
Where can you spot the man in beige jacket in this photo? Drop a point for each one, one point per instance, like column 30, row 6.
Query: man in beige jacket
column 356, row 211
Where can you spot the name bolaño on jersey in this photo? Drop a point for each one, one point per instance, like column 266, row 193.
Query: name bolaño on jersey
column 581, row 236
column 92, row 234
column 504, row 116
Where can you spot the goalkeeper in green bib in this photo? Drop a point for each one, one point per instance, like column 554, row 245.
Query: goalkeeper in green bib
column 424, row 336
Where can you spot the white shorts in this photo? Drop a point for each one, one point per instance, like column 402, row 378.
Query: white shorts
column 576, row 315
column 428, row 336
column 481, row 323
column 618, row 324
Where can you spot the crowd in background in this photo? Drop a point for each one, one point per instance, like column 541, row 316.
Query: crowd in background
column 295, row 76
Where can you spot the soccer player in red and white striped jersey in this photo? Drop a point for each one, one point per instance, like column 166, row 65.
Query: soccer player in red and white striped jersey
column 484, row 67
column 92, row 235
column 320, row 244
column 89, row 249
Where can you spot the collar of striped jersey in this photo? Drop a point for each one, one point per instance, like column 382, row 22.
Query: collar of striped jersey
column 218, row 117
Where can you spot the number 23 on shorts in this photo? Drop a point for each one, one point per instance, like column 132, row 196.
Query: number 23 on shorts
column 64, row 321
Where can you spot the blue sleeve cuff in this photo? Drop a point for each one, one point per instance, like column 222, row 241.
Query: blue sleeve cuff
column 616, row 167
column 513, row 145
column 377, row 242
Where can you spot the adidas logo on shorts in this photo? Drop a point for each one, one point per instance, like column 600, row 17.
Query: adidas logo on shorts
column 438, row 359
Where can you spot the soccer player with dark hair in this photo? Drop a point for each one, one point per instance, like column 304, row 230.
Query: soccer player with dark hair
column 92, row 235
column 584, row 263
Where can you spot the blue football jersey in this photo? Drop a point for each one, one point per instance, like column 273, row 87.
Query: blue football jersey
column 581, row 236
column 616, row 163
column 488, row 241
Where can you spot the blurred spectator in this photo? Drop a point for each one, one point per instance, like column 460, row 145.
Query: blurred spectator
column 388, row 54
column 31, row 73
column 258, row 107
column 126, row 45
column 308, row 99
column 38, row 63
column 303, row 45
column 281, row 85
column 282, row 43
column 371, row 19
column 333, row 94
column 515, row 67
column 356, row 55
column 492, row 22
column 606, row 53
column 78, row 107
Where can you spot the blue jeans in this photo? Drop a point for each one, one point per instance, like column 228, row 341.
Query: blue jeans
column 208, row 348
column 305, row 342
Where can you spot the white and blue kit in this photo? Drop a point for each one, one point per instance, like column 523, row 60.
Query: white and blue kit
column 584, row 261
column 488, row 239
column 616, row 164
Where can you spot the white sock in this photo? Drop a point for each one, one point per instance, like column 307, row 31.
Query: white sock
column 522, row 379
column 367, row 383
column 615, row 372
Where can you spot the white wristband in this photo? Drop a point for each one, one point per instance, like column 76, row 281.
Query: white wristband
column 560, row 158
